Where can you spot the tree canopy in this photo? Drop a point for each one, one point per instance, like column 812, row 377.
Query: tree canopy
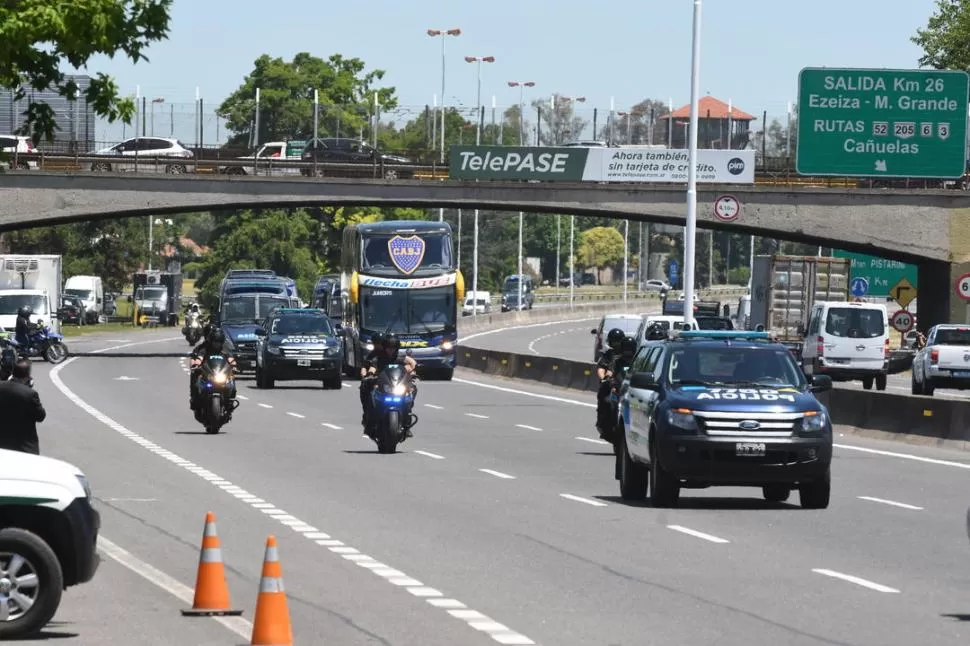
column 945, row 40
column 38, row 36
column 345, row 94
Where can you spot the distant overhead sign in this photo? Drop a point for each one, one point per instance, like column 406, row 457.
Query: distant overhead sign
column 882, row 123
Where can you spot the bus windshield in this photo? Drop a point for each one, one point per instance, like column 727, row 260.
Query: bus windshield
column 437, row 251
column 407, row 310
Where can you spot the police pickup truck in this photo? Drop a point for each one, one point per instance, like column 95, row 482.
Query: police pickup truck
column 298, row 344
column 723, row 408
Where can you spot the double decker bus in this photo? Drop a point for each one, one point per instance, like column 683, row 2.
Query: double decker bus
column 402, row 278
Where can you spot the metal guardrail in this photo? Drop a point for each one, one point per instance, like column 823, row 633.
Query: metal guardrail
column 249, row 166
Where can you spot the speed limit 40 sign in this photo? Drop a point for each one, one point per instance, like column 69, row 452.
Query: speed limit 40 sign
column 963, row 287
column 902, row 321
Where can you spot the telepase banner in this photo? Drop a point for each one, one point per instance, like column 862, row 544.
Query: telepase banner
column 628, row 164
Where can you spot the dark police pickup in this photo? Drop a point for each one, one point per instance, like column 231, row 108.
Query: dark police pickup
column 723, row 408
column 298, row 344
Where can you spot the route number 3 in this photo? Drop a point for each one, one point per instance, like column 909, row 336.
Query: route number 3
column 934, row 85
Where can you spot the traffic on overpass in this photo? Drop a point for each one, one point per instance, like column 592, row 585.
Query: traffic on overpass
column 343, row 354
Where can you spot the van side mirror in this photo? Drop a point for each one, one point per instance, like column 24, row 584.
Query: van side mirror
column 821, row 383
column 259, row 331
column 643, row 381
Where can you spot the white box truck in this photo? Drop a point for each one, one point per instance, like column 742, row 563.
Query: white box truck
column 33, row 281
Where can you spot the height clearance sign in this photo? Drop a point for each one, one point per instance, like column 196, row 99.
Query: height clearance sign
column 882, row 123
column 574, row 164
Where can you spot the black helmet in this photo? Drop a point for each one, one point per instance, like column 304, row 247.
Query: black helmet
column 24, row 311
column 217, row 338
column 391, row 342
column 656, row 332
column 615, row 338
column 628, row 347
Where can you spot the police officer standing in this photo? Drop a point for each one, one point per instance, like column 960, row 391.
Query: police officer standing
column 22, row 411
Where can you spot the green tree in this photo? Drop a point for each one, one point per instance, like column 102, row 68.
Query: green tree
column 945, row 40
column 639, row 126
column 39, row 36
column 346, row 95
column 560, row 124
column 599, row 248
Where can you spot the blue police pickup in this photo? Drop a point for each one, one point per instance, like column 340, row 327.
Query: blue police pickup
column 298, row 344
column 722, row 408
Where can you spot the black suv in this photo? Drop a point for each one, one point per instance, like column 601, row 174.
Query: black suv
column 370, row 161
column 722, row 408
column 298, row 344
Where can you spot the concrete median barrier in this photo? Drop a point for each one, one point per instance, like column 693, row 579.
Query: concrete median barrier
column 888, row 413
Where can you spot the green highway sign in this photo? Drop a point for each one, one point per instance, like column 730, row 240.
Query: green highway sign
column 881, row 274
column 882, row 123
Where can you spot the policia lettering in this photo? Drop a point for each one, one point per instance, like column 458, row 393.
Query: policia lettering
column 746, row 394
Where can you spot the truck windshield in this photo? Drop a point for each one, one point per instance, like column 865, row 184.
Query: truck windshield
column 733, row 366
column 407, row 310
column 150, row 293
column 250, row 309
column 83, row 294
column 855, row 323
column 953, row 336
column 10, row 303
column 316, row 325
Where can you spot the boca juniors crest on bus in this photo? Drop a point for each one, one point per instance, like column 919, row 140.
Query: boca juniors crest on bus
column 406, row 253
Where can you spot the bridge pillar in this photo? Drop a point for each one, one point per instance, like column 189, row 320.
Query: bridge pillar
column 935, row 293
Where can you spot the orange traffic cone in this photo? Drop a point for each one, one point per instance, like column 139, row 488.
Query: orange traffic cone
column 211, row 589
column 271, row 627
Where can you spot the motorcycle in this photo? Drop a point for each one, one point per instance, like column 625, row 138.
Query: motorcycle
column 216, row 388
column 193, row 328
column 42, row 341
column 393, row 400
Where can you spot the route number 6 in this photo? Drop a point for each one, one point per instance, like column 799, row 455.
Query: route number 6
column 963, row 287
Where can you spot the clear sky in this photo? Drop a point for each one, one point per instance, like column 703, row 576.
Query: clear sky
column 629, row 50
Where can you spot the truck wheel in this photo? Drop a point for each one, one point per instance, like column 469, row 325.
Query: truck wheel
column 914, row 385
column 815, row 495
column 664, row 488
column 867, row 383
column 928, row 386
column 775, row 493
column 880, row 382
column 633, row 477
column 31, row 576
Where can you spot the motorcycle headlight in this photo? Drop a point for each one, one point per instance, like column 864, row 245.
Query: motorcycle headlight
column 399, row 390
column 447, row 345
column 219, row 378
column 368, row 346
column 682, row 418
column 814, row 421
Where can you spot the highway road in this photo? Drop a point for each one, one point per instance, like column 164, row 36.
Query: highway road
column 499, row 522
column 571, row 339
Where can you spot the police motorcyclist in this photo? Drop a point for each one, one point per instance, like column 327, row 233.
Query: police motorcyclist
column 365, row 383
column 604, row 370
column 214, row 343
column 23, row 325
column 377, row 360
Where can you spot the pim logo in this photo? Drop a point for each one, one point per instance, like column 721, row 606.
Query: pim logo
column 736, row 166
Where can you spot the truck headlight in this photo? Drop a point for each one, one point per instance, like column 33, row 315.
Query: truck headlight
column 814, row 421
column 447, row 346
column 273, row 349
column 84, row 485
column 682, row 418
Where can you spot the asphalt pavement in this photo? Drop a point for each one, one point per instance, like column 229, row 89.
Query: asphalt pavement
column 499, row 522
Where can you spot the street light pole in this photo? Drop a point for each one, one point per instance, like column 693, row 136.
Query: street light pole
column 572, row 270
column 558, row 249
column 691, row 229
column 478, row 141
column 443, row 33
column 522, row 85
column 626, row 253
column 520, row 262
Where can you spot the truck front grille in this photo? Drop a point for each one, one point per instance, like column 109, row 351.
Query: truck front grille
column 723, row 424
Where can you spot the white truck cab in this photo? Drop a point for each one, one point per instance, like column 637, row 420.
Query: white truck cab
column 944, row 362
column 48, row 538
column 265, row 155
column 90, row 290
column 848, row 341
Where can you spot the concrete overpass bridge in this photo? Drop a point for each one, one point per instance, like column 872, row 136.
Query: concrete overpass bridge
column 928, row 228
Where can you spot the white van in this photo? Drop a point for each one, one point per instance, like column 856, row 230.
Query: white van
column 848, row 341
column 482, row 304
column 91, row 292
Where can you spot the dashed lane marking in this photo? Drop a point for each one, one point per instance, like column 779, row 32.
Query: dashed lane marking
column 497, row 474
column 433, row 456
column 696, row 534
column 498, row 632
column 435, row 407
column 592, row 440
column 878, row 587
column 476, row 415
column 296, row 415
column 332, row 426
column 528, row 428
column 892, row 503
column 593, row 503
column 262, row 405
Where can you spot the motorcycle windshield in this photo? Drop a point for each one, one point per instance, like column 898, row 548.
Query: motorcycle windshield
column 216, row 363
column 394, row 373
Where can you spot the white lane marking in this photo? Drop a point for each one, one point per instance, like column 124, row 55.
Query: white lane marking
column 262, row 405
column 476, row 415
column 332, row 426
column 891, row 502
column 905, row 456
column 393, row 576
column 297, row 415
column 238, row 396
column 128, row 345
column 524, row 327
column 697, row 534
column 433, row 456
column 550, row 336
column 435, row 407
column 561, row 400
column 594, row 503
column 528, row 428
column 498, row 474
column 176, row 588
column 592, row 440
column 346, row 385
column 878, row 587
